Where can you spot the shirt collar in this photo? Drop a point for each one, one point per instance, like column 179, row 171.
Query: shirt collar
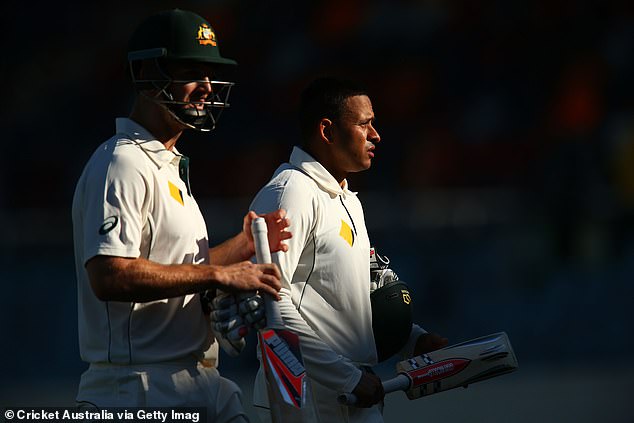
column 314, row 169
column 155, row 149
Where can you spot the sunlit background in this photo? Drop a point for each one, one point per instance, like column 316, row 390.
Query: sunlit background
column 502, row 190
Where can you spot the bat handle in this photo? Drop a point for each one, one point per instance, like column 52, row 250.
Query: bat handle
column 260, row 240
column 263, row 256
column 399, row 383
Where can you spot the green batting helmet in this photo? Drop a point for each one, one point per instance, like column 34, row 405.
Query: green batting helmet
column 179, row 36
column 176, row 35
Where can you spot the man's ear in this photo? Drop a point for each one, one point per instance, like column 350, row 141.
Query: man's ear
column 144, row 70
column 325, row 130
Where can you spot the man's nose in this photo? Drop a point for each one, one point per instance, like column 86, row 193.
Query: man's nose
column 373, row 135
column 206, row 84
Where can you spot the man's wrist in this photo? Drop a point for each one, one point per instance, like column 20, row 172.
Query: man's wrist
column 247, row 247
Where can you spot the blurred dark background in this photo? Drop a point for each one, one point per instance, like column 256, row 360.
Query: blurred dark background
column 502, row 190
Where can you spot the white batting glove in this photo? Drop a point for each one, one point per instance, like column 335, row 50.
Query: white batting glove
column 231, row 316
column 380, row 273
column 251, row 309
column 227, row 324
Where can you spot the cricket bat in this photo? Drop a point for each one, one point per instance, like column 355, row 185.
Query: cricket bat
column 450, row 367
column 287, row 385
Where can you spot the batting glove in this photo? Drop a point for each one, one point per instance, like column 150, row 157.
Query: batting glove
column 380, row 273
column 251, row 309
column 232, row 315
column 227, row 325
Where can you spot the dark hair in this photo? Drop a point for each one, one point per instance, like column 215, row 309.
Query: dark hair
column 324, row 98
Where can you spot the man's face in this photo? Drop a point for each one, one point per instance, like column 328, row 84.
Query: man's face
column 354, row 136
column 193, row 83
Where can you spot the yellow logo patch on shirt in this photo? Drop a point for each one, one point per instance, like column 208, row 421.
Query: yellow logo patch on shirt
column 346, row 233
column 176, row 193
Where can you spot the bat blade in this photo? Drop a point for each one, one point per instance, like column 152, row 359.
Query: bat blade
column 287, row 385
column 451, row 367
column 283, row 362
column 459, row 365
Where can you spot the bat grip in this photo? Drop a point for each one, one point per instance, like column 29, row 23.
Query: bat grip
column 260, row 240
column 263, row 256
column 399, row 383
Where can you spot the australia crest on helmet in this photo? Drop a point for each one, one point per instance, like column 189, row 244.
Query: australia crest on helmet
column 206, row 35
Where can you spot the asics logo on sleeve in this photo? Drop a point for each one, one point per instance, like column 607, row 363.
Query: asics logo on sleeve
column 108, row 224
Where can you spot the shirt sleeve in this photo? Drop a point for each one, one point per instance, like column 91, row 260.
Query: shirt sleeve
column 115, row 203
column 323, row 364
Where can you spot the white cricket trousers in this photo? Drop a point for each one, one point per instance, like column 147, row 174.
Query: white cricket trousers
column 326, row 401
column 183, row 383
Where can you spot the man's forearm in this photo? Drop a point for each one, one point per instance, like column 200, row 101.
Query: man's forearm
column 141, row 280
column 231, row 251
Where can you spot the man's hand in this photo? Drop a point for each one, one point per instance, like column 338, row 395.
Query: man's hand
column 276, row 222
column 429, row 342
column 247, row 276
column 369, row 390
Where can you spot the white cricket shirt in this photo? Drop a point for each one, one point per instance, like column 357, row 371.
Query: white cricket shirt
column 326, row 271
column 131, row 202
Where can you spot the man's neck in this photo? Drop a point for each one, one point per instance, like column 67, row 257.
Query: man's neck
column 158, row 122
column 324, row 159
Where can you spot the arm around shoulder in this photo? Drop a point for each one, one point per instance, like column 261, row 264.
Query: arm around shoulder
column 241, row 246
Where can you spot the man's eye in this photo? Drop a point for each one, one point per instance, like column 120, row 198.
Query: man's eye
column 193, row 76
